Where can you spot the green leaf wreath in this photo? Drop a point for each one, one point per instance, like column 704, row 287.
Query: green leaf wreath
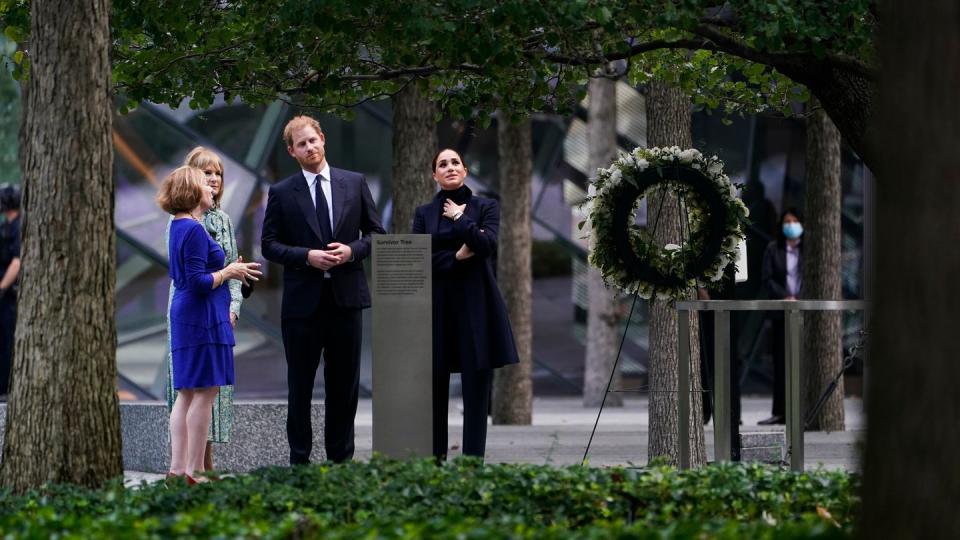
column 625, row 252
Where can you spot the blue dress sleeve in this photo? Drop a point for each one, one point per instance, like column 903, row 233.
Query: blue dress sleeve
column 194, row 251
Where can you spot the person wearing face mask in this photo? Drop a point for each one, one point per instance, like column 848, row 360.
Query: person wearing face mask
column 220, row 228
column 782, row 276
column 471, row 330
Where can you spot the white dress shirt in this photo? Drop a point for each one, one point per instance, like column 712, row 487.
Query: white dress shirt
column 324, row 181
column 324, row 177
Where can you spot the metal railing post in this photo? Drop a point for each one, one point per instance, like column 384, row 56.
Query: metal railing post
column 721, row 387
column 683, row 387
column 794, row 421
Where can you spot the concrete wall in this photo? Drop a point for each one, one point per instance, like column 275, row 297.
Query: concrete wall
column 259, row 437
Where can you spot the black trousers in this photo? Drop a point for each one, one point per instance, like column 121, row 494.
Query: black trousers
column 335, row 333
column 778, row 340
column 8, row 323
column 476, row 404
column 707, row 341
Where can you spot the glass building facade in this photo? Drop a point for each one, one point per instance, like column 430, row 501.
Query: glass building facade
column 153, row 140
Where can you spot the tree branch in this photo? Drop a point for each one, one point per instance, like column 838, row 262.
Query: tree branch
column 634, row 50
column 731, row 45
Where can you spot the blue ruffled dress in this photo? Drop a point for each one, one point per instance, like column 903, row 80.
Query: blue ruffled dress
column 201, row 338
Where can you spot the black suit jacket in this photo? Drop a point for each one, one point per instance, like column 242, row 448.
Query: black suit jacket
column 470, row 322
column 291, row 229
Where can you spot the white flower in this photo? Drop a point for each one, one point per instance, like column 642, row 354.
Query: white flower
column 671, row 247
column 714, row 168
column 642, row 164
column 743, row 208
column 615, row 177
column 689, row 155
column 627, row 161
column 733, row 191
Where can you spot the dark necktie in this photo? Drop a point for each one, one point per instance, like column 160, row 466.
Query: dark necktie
column 323, row 213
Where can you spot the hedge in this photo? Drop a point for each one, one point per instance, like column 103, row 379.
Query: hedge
column 462, row 499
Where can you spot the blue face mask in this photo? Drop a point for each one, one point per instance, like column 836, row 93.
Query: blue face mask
column 792, row 230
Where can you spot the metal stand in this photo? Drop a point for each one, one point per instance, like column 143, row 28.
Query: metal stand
column 793, row 311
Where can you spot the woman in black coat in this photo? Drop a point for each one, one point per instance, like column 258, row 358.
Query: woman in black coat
column 782, row 276
column 471, row 331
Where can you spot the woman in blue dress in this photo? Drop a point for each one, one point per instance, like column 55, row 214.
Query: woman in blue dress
column 201, row 336
column 220, row 228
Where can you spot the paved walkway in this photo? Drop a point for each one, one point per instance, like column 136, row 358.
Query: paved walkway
column 561, row 428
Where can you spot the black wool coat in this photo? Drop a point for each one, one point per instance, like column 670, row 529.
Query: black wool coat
column 471, row 329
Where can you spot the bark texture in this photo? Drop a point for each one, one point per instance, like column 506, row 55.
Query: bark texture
column 911, row 479
column 823, row 331
column 512, row 386
column 63, row 420
column 414, row 144
column 668, row 124
column 604, row 313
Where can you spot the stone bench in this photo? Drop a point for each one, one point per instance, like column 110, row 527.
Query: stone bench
column 258, row 439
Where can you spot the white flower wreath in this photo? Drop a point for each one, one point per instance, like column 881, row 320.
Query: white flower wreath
column 625, row 253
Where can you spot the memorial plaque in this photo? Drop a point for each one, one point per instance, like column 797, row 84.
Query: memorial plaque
column 402, row 345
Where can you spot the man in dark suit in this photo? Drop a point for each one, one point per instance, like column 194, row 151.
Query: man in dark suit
column 317, row 225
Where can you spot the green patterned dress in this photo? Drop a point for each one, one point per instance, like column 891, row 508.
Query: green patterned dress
column 218, row 224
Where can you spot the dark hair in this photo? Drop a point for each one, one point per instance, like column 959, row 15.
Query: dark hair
column 791, row 210
column 9, row 197
column 437, row 156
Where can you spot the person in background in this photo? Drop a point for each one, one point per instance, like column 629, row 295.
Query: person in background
column 782, row 279
column 10, row 272
column 471, row 330
column 220, row 227
column 201, row 335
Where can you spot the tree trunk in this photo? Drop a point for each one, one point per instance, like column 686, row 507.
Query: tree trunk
column 63, row 421
column 823, row 331
column 911, row 479
column 414, row 144
column 668, row 124
column 604, row 313
column 512, row 386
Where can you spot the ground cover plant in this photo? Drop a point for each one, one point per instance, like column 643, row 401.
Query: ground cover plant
column 462, row 499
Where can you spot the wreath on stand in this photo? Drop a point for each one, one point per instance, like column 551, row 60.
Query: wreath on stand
column 712, row 222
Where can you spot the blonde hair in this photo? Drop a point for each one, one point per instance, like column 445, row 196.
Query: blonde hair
column 201, row 158
column 181, row 190
column 296, row 123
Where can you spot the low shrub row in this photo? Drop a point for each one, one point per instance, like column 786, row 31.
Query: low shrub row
column 462, row 499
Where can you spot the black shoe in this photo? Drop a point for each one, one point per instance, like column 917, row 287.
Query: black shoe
column 776, row 419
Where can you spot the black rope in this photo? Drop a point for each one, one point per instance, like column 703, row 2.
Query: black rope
column 613, row 371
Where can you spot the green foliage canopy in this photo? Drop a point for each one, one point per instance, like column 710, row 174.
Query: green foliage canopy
column 475, row 56
column 339, row 52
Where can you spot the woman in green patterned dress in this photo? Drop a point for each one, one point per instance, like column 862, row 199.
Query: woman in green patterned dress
column 218, row 224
